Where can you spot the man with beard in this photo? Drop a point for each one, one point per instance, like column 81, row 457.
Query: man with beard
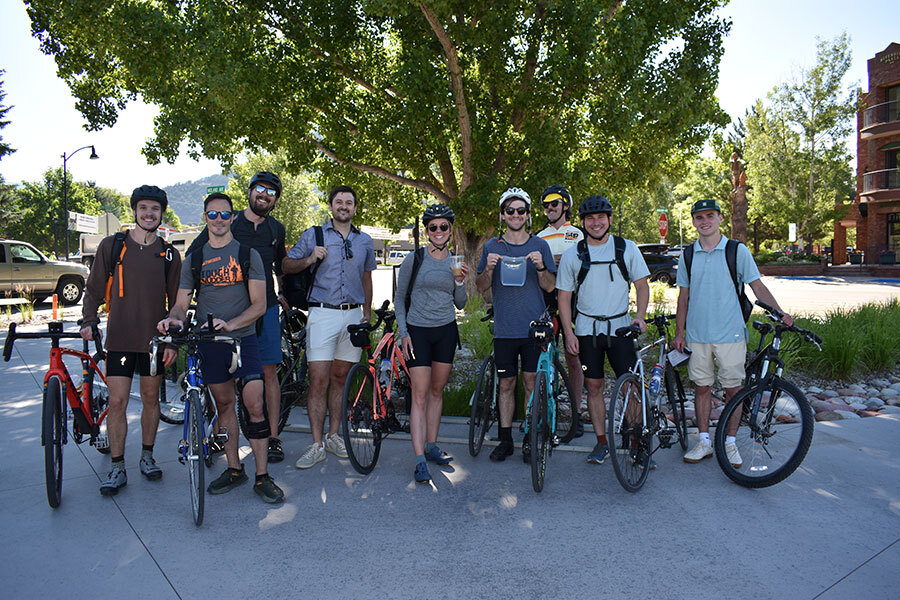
column 256, row 228
column 341, row 294
column 136, row 273
column 601, row 306
column 515, row 306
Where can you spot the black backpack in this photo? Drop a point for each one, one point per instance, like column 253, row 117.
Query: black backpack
column 731, row 248
column 298, row 286
column 585, row 256
column 117, row 254
column 243, row 262
column 418, row 258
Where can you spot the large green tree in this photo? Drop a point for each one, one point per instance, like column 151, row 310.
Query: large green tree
column 4, row 147
column 452, row 98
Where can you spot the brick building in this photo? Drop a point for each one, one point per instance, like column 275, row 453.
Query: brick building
column 876, row 210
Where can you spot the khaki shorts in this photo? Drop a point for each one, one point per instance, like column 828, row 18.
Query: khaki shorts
column 729, row 357
column 327, row 337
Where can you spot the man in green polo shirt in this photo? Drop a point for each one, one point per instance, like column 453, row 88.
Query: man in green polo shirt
column 710, row 322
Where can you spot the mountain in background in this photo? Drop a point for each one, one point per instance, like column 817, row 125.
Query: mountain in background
column 186, row 199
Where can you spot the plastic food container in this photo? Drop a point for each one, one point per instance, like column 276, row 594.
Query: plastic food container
column 512, row 270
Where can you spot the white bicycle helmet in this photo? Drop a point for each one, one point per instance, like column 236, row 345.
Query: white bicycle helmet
column 515, row 192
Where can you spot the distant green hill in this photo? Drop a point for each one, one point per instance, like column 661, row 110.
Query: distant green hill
column 186, row 199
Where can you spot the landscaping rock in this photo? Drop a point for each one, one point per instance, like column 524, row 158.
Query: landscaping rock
column 847, row 392
column 889, row 392
column 814, row 390
column 820, row 406
column 853, row 399
column 872, row 392
column 867, row 413
column 830, row 393
column 857, row 406
column 894, row 401
column 846, row 414
column 874, row 403
column 858, row 389
column 890, row 410
column 828, row 415
column 880, row 382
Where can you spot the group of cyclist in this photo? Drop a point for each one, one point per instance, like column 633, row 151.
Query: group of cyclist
column 583, row 273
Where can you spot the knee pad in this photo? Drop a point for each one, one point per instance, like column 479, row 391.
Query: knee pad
column 258, row 431
column 243, row 381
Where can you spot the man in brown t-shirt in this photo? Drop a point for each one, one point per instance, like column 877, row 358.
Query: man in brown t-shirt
column 136, row 296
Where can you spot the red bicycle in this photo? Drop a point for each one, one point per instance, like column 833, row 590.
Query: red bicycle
column 89, row 406
column 367, row 410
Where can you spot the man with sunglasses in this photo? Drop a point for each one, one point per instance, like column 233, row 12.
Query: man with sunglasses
column 257, row 228
column 516, row 305
column 561, row 235
column 235, row 299
column 341, row 294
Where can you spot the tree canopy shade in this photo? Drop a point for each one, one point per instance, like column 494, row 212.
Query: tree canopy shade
column 452, row 98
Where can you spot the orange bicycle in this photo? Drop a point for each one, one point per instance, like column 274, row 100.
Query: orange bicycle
column 367, row 411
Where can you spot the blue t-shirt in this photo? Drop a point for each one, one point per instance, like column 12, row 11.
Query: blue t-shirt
column 515, row 307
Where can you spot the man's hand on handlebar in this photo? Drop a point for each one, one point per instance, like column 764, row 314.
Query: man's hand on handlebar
column 163, row 326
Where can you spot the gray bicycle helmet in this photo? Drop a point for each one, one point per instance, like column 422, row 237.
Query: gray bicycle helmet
column 437, row 211
column 149, row 192
column 269, row 179
column 593, row 205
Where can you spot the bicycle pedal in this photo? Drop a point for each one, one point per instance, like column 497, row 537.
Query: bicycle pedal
column 101, row 442
column 554, row 441
column 222, row 436
column 666, row 438
column 182, row 448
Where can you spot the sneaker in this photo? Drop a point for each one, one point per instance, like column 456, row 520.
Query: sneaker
column 699, row 452
column 436, row 455
column 526, row 450
column 314, row 454
column 114, row 481
column 599, row 454
column 502, row 450
column 734, row 457
column 149, row 468
column 334, row 443
column 227, row 481
column 276, row 453
column 266, row 489
column 422, row 475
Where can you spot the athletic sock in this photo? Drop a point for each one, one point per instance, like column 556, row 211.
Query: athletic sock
column 730, row 439
column 704, row 437
column 147, row 450
column 506, row 434
column 420, row 458
column 601, row 439
column 118, row 461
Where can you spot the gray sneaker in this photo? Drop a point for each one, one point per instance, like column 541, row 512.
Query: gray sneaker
column 149, row 468
column 114, row 481
column 313, row 455
column 334, row 443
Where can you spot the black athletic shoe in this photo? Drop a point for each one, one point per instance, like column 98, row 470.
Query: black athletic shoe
column 503, row 450
column 276, row 453
column 579, row 429
column 266, row 489
column 227, row 481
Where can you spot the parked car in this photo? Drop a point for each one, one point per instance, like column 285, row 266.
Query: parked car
column 663, row 267
column 395, row 257
column 25, row 270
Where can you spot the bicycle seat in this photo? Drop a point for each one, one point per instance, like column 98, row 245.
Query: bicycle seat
column 632, row 331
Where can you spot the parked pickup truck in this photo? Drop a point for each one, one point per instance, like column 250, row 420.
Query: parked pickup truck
column 25, row 270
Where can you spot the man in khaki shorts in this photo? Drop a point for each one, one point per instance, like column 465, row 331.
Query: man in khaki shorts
column 710, row 322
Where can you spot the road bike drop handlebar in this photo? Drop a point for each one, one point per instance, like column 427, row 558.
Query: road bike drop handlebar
column 382, row 313
column 191, row 335
column 778, row 316
column 54, row 332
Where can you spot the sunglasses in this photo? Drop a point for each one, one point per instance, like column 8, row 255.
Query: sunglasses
column 551, row 204
column 522, row 210
column 212, row 215
column 264, row 190
column 442, row 227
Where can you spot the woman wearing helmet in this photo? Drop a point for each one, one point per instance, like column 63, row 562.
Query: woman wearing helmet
column 428, row 332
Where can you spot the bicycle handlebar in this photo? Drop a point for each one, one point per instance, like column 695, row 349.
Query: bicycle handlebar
column 778, row 317
column 382, row 314
column 54, row 331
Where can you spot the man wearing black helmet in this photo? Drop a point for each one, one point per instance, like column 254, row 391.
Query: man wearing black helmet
column 136, row 273
column 601, row 306
column 257, row 228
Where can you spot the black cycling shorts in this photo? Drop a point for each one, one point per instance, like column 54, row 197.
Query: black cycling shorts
column 619, row 351
column 433, row 344
column 124, row 364
column 508, row 350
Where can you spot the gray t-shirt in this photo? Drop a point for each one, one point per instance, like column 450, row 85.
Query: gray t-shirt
column 515, row 307
column 223, row 293
column 434, row 294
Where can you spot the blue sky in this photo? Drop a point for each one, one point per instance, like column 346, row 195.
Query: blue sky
column 769, row 42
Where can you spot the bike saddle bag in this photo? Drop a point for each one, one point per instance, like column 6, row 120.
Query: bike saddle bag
column 359, row 335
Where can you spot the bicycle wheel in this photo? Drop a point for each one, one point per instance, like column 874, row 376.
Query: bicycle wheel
column 675, row 395
column 210, row 420
column 482, row 406
column 171, row 400
column 293, row 378
column 359, row 425
column 774, row 443
column 195, row 455
column 539, row 432
column 566, row 404
column 99, row 403
column 53, row 422
column 628, row 446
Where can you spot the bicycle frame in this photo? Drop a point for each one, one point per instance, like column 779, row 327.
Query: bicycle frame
column 546, row 368
column 386, row 348
column 638, row 370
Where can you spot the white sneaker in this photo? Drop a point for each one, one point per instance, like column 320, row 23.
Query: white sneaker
column 699, row 452
column 314, row 454
column 734, row 457
column 334, row 443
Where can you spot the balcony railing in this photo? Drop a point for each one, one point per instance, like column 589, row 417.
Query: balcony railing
column 885, row 112
column 885, row 179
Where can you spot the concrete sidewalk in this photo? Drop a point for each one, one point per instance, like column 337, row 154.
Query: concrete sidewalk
column 829, row 531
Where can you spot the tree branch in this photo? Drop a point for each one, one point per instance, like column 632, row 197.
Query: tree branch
column 447, row 173
column 456, row 84
column 517, row 119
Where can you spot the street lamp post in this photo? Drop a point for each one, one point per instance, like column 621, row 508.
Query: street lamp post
column 66, row 191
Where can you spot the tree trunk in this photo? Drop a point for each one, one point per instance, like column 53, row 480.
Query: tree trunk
column 469, row 245
column 739, row 214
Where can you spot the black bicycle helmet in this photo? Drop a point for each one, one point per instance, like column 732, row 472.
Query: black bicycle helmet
column 269, row 179
column 560, row 190
column 593, row 205
column 149, row 192
column 437, row 211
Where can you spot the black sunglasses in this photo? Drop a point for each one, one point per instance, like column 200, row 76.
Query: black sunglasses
column 442, row 227
column 522, row 210
column 263, row 189
column 348, row 249
column 551, row 204
column 212, row 215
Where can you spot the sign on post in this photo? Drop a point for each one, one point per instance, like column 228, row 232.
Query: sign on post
column 663, row 227
column 792, row 232
column 215, row 188
column 83, row 223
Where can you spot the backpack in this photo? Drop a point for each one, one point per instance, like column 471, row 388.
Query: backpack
column 418, row 258
column 585, row 256
column 298, row 286
column 731, row 248
column 243, row 262
column 117, row 254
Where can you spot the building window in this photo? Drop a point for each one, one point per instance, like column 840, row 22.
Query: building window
column 892, row 95
column 891, row 160
column 893, row 231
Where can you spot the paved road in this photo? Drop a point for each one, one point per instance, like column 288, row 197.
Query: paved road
column 830, row 531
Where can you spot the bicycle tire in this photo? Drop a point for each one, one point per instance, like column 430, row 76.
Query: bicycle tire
column 195, row 453
column 171, row 410
column 53, row 428
column 675, row 396
column 539, row 432
column 209, row 413
column 566, row 404
column 293, row 378
column 629, row 448
column 772, row 453
column 481, row 418
column 359, row 427
column 99, row 403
